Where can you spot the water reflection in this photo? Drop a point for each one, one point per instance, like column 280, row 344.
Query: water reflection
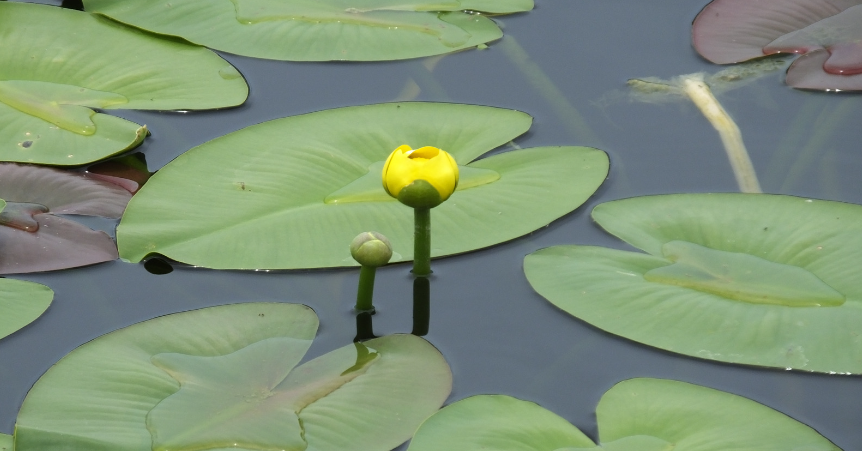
column 421, row 306
column 421, row 313
column 364, row 327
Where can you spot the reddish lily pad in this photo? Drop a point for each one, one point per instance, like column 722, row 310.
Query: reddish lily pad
column 807, row 73
column 731, row 31
column 36, row 240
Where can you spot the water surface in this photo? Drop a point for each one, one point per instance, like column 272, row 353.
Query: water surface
column 497, row 334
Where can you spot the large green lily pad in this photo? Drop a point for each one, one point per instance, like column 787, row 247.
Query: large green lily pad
column 21, row 303
column 319, row 30
column 754, row 279
column 224, row 378
column 634, row 415
column 293, row 192
column 53, row 80
column 5, row 442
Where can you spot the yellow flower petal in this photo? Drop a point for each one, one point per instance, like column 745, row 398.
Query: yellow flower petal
column 404, row 166
column 426, row 152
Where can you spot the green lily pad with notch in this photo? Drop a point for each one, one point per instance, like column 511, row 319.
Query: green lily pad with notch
column 753, row 279
column 634, row 415
column 21, row 302
column 54, row 83
column 318, row 30
column 227, row 378
column 294, row 192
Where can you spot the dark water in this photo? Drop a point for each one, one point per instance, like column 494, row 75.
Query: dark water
column 497, row 334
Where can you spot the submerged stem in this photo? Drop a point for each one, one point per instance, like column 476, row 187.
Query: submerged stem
column 535, row 76
column 422, row 242
column 731, row 137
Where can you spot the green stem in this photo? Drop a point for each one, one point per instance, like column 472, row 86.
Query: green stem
column 422, row 242
column 365, row 293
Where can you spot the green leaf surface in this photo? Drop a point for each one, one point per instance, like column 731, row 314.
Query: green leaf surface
column 224, row 378
column 5, row 442
column 634, row 415
column 496, row 423
column 51, row 82
column 293, row 192
column 497, row 6
column 318, row 30
column 754, row 279
column 21, row 303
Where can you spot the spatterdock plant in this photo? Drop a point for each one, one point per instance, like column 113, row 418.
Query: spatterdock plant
column 369, row 249
column 422, row 179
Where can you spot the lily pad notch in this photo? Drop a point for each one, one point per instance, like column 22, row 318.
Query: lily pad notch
column 168, row 378
column 755, row 279
column 634, row 415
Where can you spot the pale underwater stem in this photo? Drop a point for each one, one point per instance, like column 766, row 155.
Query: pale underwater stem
column 731, row 137
column 569, row 116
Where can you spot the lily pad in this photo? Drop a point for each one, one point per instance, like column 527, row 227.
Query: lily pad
column 52, row 83
column 21, row 303
column 730, row 31
column 224, row 377
column 752, row 279
column 36, row 240
column 293, row 192
column 634, row 415
column 741, row 278
column 5, row 442
column 319, row 30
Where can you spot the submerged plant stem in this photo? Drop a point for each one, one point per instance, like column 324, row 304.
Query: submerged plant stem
column 569, row 116
column 422, row 242
column 365, row 293
column 731, row 137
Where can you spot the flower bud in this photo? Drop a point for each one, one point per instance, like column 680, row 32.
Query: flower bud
column 371, row 249
column 420, row 178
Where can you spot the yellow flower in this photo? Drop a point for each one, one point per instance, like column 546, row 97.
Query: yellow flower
column 408, row 173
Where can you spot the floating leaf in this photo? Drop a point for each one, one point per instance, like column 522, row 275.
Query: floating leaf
column 52, row 81
column 496, row 6
column 20, row 304
column 293, row 192
column 62, row 192
column 807, row 73
column 730, row 31
column 322, row 30
column 224, row 377
column 5, row 442
column 754, row 279
column 634, row 415
column 36, row 240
